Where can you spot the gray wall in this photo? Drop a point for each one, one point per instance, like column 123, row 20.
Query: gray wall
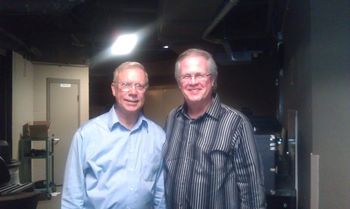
column 316, row 82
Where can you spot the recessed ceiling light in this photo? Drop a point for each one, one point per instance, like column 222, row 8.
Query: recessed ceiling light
column 124, row 44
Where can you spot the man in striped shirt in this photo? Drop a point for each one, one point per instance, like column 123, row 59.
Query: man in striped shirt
column 210, row 156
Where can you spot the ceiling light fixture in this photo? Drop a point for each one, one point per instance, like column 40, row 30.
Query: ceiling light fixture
column 124, row 44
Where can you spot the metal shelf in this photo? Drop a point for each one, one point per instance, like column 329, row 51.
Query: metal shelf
column 28, row 154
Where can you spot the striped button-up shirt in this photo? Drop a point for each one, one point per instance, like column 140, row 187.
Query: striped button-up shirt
column 211, row 162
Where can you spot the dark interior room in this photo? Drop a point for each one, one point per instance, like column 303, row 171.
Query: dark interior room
column 245, row 37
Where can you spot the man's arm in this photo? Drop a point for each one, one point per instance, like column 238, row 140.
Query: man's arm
column 73, row 191
column 250, row 176
column 159, row 197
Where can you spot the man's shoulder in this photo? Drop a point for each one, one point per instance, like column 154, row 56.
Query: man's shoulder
column 153, row 126
column 98, row 121
column 232, row 112
column 155, row 133
column 175, row 110
column 229, row 109
column 151, row 123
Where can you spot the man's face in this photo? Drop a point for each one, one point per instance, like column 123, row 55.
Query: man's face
column 195, row 82
column 128, row 90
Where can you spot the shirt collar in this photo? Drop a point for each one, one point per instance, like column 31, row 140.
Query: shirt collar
column 113, row 121
column 213, row 110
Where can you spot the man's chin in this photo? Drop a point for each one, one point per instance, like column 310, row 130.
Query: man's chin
column 132, row 109
column 194, row 95
column 193, row 99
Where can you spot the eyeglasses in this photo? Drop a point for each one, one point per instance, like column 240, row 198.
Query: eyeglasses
column 198, row 76
column 127, row 86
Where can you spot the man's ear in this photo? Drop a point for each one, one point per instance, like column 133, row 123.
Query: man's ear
column 113, row 89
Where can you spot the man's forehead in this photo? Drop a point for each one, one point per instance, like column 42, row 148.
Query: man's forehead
column 194, row 60
column 133, row 68
column 134, row 72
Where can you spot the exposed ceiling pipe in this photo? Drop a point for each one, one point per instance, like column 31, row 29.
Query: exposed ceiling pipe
column 217, row 20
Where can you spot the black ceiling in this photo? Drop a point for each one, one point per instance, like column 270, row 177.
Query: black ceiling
column 76, row 31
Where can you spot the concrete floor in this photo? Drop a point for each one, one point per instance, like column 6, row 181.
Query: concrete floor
column 53, row 203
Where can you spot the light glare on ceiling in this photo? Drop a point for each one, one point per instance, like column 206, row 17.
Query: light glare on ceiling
column 124, row 44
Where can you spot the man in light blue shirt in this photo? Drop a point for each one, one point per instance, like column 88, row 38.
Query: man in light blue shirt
column 115, row 159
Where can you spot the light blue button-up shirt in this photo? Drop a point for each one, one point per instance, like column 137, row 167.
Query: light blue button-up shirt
column 112, row 167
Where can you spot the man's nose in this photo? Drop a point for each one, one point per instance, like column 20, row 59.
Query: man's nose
column 133, row 89
column 193, row 80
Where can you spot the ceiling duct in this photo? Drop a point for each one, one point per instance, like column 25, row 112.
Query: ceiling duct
column 182, row 23
column 217, row 20
column 245, row 55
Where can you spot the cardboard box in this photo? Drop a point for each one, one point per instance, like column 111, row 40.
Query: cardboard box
column 39, row 129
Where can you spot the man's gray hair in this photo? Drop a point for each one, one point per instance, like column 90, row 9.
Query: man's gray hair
column 128, row 65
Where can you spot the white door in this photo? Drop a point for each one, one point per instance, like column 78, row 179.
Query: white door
column 63, row 114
